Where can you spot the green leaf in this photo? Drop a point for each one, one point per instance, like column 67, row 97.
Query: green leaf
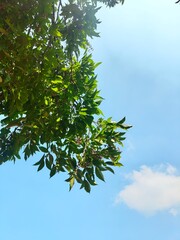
column 121, row 121
column 125, row 127
column 83, row 113
column 109, row 163
column 43, row 149
column 2, row 30
column 53, row 171
column 55, row 89
column 39, row 162
column 57, row 81
column 73, row 163
column 110, row 169
column 41, row 165
column 71, row 183
column 118, row 164
column 90, row 179
column 57, row 33
column 46, row 102
column 87, row 186
column 48, row 164
column 99, row 174
column 18, row 156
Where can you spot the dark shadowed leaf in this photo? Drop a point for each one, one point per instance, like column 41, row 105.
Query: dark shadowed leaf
column 87, row 186
column 110, row 169
column 43, row 149
column 41, row 165
column 39, row 162
column 53, row 171
column 99, row 174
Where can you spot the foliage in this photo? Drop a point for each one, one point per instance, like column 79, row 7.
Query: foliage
column 49, row 101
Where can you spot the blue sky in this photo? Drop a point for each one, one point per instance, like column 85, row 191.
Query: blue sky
column 139, row 79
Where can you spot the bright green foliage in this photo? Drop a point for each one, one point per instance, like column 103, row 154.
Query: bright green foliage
column 49, row 101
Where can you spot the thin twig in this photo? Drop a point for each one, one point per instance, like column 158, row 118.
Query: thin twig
column 53, row 14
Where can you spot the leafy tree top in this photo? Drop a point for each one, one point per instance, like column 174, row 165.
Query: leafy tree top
column 49, row 100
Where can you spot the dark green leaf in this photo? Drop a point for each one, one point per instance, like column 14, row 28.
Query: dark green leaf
column 39, row 162
column 48, row 164
column 124, row 126
column 87, row 186
column 90, row 179
column 121, row 121
column 53, row 171
column 41, row 165
column 43, row 149
column 109, row 163
column 110, row 169
column 99, row 174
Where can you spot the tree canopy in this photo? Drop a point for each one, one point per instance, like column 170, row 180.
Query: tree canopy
column 49, row 99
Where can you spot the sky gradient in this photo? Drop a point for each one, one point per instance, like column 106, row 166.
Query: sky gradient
column 139, row 78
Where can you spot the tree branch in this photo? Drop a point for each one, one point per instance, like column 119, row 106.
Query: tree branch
column 59, row 5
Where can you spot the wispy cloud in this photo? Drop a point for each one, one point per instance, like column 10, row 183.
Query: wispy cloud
column 152, row 190
column 129, row 146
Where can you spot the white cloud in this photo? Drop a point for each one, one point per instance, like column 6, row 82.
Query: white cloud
column 152, row 190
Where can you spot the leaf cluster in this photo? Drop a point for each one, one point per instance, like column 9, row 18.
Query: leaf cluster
column 49, row 99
